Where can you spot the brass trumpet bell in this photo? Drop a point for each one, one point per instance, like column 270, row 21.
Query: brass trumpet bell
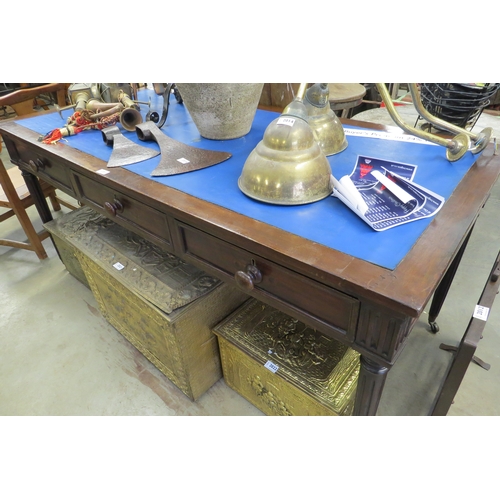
column 129, row 118
column 287, row 167
column 324, row 122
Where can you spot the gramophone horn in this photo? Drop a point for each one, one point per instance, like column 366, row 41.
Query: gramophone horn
column 481, row 140
column 455, row 148
column 287, row 167
column 324, row 122
column 129, row 118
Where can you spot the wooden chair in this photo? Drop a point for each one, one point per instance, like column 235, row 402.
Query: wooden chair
column 23, row 101
column 464, row 352
column 15, row 197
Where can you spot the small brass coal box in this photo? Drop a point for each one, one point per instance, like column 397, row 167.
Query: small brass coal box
column 164, row 306
column 284, row 367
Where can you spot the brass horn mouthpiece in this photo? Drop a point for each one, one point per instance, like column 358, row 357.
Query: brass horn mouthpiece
column 126, row 100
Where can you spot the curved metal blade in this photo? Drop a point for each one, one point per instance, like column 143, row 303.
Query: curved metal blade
column 177, row 157
column 125, row 151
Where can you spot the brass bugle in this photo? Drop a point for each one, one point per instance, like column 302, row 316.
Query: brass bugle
column 455, row 147
column 101, row 109
column 481, row 140
column 128, row 109
column 130, row 116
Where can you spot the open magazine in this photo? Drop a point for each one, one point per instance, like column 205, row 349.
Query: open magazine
column 383, row 194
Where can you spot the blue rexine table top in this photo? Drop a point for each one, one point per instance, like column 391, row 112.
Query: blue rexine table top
column 327, row 222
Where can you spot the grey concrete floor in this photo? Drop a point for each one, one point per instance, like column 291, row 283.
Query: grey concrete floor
column 59, row 356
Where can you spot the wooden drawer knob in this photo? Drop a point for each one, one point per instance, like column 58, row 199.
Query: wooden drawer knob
column 37, row 164
column 248, row 278
column 113, row 208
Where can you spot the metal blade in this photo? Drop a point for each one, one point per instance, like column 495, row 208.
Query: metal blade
column 125, row 151
column 177, row 157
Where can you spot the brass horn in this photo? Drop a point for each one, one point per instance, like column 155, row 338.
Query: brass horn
column 324, row 122
column 455, row 147
column 481, row 140
column 130, row 116
column 287, row 167
column 101, row 109
column 128, row 109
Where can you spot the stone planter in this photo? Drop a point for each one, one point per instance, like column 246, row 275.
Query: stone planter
column 221, row 110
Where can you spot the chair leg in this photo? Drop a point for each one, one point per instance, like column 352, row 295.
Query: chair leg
column 54, row 201
column 33, row 237
column 19, row 209
column 66, row 204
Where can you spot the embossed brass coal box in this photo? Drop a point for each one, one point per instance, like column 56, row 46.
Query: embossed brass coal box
column 164, row 306
column 284, row 367
column 67, row 252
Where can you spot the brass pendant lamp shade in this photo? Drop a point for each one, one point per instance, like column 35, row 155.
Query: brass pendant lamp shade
column 287, row 167
column 325, row 123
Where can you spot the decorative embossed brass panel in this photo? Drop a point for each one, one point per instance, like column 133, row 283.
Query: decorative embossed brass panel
column 162, row 305
column 68, row 255
column 284, row 367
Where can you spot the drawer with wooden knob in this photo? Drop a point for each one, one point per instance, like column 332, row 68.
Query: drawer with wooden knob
column 50, row 170
column 270, row 282
column 125, row 210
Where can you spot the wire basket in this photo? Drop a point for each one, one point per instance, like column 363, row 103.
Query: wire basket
column 460, row 104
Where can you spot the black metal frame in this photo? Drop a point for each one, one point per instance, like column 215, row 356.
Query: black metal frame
column 464, row 353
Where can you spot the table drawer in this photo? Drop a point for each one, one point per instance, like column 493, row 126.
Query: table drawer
column 46, row 167
column 123, row 209
column 299, row 295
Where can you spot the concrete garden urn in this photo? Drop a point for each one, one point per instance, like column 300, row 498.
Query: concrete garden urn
column 221, row 110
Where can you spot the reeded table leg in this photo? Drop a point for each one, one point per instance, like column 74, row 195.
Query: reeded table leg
column 443, row 287
column 370, row 385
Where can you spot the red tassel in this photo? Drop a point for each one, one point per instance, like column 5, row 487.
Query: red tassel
column 52, row 137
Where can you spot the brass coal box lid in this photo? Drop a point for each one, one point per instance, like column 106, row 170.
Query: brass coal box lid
column 307, row 360
column 160, row 277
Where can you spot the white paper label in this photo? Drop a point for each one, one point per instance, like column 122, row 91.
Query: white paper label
column 286, row 120
column 481, row 312
column 271, row 366
column 102, row 171
column 375, row 134
column 182, row 160
column 118, row 266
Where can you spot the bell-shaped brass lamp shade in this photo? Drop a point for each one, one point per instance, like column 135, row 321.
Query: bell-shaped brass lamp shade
column 324, row 122
column 287, row 167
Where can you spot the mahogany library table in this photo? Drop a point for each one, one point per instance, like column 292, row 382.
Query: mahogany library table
column 318, row 262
